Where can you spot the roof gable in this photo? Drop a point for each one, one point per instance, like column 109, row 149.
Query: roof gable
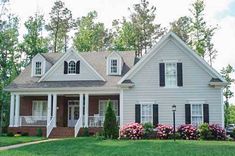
column 188, row 51
column 56, row 71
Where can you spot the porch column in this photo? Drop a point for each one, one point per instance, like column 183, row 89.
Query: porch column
column 81, row 108
column 48, row 108
column 17, row 110
column 12, row 108
column 54, row 108
column 86, row 109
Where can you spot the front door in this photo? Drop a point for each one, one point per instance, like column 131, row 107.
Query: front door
column 73, row 112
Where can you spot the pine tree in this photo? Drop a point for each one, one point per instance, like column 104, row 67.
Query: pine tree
column 110, row 123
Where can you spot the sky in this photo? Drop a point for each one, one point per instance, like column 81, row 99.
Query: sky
column 217, row 12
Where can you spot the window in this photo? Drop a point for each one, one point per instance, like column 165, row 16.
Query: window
column 196, row 113
column 38, row 68
column 72, row 67
column 39, row 108
column 113, row 67
column 171, row 74
column 146, row 113
column 103, row 106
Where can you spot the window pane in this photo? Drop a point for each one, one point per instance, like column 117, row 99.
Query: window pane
column 197, row 114
column 38, row 68
column 146, row 113
column 171, row 74
column 113, row 66
column 72, row 67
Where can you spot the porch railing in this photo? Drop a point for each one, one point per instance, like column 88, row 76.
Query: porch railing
column 50, row 126
column 77, row 127
column 33, row 120
column 98, row 121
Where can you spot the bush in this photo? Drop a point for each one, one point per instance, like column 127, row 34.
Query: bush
column 164, row 131
column 188, row 132
column 85, row 132
column 25, row 134
column 205, row 132
column 10, row 134
column 110, row 123
column 217, row 132
column 233, row 134
column 148, row 131
column 132, row 131
column 39, row 132
column 99, row 135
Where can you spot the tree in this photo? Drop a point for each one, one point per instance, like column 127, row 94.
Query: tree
column 90, row 36
column 142, row 28
column 181, row 27
column 110, row 123
column 226, row 73
column 60, row 24
column 34, row 42
column 231, row 116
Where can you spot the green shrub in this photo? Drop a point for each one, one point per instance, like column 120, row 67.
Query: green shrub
column 148, row 131
column 110, row 123
column 99, row 135
column 205, row 132
column 25, row 134
column 10, row 134
column 39, row 132
column 85, row 132
column 233, row 134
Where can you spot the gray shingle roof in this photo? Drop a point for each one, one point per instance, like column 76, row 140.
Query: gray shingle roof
column 96, row 59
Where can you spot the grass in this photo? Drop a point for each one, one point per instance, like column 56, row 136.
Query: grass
column 93, row 147
column 5, row 141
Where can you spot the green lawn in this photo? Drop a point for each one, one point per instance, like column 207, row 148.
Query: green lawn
column 5, row 141
column 91, row 146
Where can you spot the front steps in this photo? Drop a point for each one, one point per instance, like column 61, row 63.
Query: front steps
column 62, row 132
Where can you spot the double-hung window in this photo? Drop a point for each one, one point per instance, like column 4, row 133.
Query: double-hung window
column 39, row 108
column 171, row 74
column 38, row 68
column 72, row 67
column 103, row 106
column 114, row 66
column 146, row 113
column 197, row 114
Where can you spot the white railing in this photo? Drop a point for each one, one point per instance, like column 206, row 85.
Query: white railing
column 98, row 121
column 50, row 126
column 33, row 120
column 77, row 127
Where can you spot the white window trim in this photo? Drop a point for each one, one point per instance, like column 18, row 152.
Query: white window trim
column 171, row 61
column 41, row 101
column 43, row 64
column 110, row 63
column 191, row 106
column 113, row 101
column 35, row 68
column 144, row 103
column 75, row 67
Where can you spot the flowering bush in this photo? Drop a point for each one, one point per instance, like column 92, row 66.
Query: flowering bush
column 205, row 132
column 217, row 132
column 132, row 131
column 164, row 131
column 188, row 132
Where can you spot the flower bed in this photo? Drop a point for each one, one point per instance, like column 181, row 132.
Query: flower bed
column 164, row 131
column 132, row 131
column 188, row 132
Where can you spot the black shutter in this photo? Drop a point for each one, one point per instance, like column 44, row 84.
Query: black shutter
column 137, row 113
column 155, row 114
column 206, row 113
column 179, row 74
column 78, row 67
column 162, row 74
column 187, row 114
column 65, row 67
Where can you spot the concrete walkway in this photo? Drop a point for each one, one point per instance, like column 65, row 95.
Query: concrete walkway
column 26, row 144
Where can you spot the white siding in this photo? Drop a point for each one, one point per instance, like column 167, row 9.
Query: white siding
column 195, row 87
column 86, row 73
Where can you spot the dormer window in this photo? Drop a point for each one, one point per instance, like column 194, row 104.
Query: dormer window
column 114, row 66
column 72, row 67
column 38, row 68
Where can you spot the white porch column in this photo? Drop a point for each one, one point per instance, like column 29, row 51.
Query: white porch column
column 12, row 108
column 17, row 110
column 121, row 108
column 81, row 108
column 54, row 108
column 48, row 108
column 86, row 109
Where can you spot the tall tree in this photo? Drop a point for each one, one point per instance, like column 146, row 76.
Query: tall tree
column 60, row 24
column 34, row 42
column 182, row 28
column 142, row 28
column 90, row 35
column 228, row 93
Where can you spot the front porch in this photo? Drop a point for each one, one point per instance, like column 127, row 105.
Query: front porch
column 48, row 111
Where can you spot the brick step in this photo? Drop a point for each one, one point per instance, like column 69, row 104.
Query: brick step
column 62, row 132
